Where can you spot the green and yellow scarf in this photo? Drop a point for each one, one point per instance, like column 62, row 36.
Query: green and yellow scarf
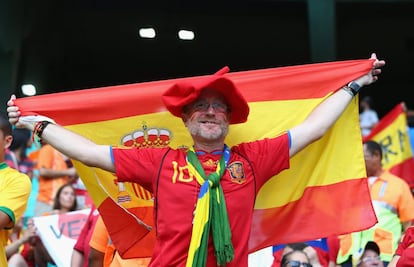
column 211, row 212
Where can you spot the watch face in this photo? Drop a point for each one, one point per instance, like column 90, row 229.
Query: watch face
column 354, row 87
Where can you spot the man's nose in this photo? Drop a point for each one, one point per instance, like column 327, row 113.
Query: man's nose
column 211, row 109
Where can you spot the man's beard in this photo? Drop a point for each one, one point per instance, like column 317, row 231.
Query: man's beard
column 195, row 130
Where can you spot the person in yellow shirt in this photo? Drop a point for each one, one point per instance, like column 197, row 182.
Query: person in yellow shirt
column 15, row 189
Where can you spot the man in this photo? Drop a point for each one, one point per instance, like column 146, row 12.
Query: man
column 177, row 177
column 394, row 206
column 15, row 189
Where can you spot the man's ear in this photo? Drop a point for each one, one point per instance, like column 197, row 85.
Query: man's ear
column 8, row 140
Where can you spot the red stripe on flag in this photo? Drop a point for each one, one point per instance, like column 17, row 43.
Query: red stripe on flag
column 330, row 207
column 113, row 102
column 141, row 192
column 405, row 170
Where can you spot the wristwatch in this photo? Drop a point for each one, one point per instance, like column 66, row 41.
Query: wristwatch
column 354, row 88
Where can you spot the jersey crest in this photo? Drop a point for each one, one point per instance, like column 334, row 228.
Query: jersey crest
column 237, row 172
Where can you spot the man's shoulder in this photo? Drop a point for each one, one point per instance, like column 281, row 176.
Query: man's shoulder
column 12, row 179
column 392, row 178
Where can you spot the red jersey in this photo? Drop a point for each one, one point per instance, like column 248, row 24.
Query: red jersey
column 163, row 171
column 406, row 249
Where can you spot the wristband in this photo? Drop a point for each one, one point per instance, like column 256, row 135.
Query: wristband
column 40, row 127
column 354, row 87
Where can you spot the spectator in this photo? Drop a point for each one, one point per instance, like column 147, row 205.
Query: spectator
column 394, row 206
column 15, row 189
column 64, row 201
column 318, row 256
column 368, row 117
column 371, row 256
column 295, row 258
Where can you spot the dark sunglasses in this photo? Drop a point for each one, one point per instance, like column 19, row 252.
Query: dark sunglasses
column 298, row 264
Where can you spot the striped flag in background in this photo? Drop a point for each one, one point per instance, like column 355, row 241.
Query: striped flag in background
column 391, row 132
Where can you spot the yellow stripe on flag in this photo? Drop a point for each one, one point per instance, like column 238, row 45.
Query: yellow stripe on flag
column 329, row 158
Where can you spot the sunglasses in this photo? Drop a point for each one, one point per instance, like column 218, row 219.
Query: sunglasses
column 298, row 264
column 369, row 259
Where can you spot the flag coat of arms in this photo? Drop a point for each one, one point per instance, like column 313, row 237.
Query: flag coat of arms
column 323, row 193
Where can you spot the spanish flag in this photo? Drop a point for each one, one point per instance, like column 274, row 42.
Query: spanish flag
column 391, row 132
column 323, row 193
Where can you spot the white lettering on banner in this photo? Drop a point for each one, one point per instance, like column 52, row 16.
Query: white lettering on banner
column 59, row 233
